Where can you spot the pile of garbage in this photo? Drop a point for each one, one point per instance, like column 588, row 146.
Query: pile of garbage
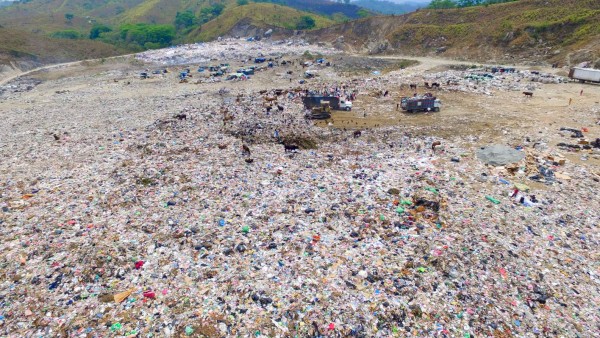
column 228, row 49
column 482, row 82
column 177, row 233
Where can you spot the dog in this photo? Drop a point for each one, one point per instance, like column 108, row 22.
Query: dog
column 245, row 150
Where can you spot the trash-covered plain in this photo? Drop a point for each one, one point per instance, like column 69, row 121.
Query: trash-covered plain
column 184, row 204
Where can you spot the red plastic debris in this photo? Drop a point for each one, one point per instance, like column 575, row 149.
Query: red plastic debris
column 149, row 294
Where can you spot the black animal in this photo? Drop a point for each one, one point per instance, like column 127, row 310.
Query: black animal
column 357, row 133
column 528, row 94
column 435, row 85
column 290, row 147
column 280, row 107
column 181, row 117
column 249, row 160
column 245, row 150
column 413, row 86
column 269, row 109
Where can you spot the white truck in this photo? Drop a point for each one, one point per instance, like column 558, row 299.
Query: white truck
column 345, row 105
column 585, row 74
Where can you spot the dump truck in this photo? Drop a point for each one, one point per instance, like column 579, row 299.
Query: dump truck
column 420, row 103
column 335, row 102
column 585, row 74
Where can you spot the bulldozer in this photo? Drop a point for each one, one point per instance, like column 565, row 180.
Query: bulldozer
column 321, row 112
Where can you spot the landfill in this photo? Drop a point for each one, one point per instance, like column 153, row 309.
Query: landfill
column 159, row 209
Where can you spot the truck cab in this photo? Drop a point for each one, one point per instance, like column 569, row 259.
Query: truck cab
column 345, row 105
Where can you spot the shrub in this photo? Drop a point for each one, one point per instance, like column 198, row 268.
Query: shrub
column 97, row 30
column 66, row 34
column 185, row 19
column 306, row 22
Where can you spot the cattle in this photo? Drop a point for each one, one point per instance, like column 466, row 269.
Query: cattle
column 528, row 94
column 290, row 147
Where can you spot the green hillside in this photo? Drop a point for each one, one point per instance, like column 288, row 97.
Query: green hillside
column 553, row 30
column 36, row 49
column 136, row 25
column 256, row 14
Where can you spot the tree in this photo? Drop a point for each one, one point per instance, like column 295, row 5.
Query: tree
column 441, row 4
column 147, row 35
column 242, row 2
column 69, row 17
column 306, row 22
column 363, row 13
column 185, row 19
column 217, row 9
column 208, row 13
column 97, row 30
